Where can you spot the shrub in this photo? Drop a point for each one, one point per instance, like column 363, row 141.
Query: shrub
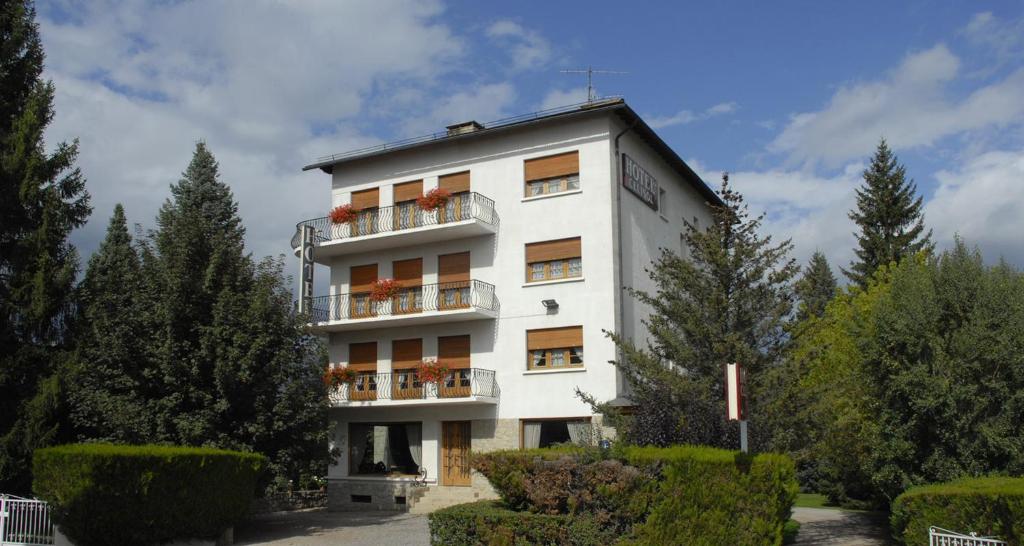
column 992, row 506
column 104, row 494
column 707, row 496
column 509, row 470
column 494, row 524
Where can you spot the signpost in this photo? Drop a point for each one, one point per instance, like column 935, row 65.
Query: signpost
column 639, row 182
column 735, row 397
column 306, row 272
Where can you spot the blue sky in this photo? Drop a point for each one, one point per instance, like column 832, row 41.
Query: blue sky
column 790, row 97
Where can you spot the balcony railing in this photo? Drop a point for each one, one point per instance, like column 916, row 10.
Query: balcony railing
column 405, row 385
column 449, row 296
column 401, row 217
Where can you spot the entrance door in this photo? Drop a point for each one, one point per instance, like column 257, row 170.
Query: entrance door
column 455, row 453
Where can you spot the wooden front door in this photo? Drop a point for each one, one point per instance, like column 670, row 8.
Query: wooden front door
column 455, row 443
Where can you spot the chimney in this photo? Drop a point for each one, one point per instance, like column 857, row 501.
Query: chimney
column 463, row 128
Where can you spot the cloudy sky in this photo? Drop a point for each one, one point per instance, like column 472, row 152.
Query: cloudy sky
column 791, row 98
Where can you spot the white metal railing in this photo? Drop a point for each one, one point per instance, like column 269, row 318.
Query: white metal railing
column 938, row 536
column 24, row 522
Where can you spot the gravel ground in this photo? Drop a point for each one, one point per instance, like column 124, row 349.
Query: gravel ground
column 840, row 528
column 319, row 527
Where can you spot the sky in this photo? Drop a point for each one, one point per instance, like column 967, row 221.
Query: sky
column 791, row 98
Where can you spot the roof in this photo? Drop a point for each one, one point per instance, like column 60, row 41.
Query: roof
column 615, row 106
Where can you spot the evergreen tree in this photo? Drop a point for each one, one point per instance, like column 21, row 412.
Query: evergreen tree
column 44, row 199
column 727, row 302
column 815, row 288
column 889, row 217
column 109, row 389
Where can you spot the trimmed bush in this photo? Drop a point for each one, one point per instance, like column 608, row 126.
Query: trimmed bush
column 991, row 506
column 104, row 494
column 509, row 470
column 494, row 524
column 708, row 496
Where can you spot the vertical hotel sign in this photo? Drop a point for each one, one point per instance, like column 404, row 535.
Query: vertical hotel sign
column 306, row 275
column 639, row 182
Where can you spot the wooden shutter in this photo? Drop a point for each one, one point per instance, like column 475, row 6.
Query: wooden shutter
column 362, row 357
column 453, row 267
column 453, row 351
column 362, row 277
column 553, row 250
column 552, row 166
column 554, row 338
column 408, row 191
column 454, row 183
column 408, row 273
column 366, row 199
column 406, row 353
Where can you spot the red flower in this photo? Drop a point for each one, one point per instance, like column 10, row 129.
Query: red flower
column 343, row 214
column 338, row 375
column 384, row 289
column 434, row 199
column 429, row 371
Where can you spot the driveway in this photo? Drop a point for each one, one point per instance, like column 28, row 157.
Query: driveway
column 840, row 527
column 320, row 527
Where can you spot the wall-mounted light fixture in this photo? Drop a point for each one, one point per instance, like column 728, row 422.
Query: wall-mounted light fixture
column 550, row 305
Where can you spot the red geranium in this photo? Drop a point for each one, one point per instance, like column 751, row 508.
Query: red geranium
column 429, row 371
column 384, row 290
column 434, row 199
column 344, row 214
column 338, row 375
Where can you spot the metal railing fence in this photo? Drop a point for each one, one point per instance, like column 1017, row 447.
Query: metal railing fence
column 416, row 299
column 938, row 536
column 405, row 385
column 24, row 522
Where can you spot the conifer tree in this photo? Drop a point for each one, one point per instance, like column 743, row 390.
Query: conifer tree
column 43, row 200
column 888, row 215
column 815, row 288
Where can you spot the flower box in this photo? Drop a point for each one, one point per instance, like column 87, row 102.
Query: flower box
column 384, row 290
column 343, row 214
column 435, row 199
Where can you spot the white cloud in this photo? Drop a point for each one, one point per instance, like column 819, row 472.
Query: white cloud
column 527, row 48
column 684, row 117
column 910, row 108
column 563, row 97
column 1005, row 38
column 480, row 103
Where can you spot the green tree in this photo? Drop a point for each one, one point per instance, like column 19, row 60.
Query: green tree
column 888, row 215
column 815, row 288
column 44, row 199
column 728, row 301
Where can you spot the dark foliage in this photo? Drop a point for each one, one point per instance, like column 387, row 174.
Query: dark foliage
column 991, row 506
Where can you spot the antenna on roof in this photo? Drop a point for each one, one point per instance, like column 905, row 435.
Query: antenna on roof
column 590, row 71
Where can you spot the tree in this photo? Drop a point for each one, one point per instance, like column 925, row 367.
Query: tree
column 109, row 387
column 815, row 288
column 44, row 199
column 889, row 217
column 727, row 302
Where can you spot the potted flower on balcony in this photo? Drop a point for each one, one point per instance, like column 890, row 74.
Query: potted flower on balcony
column 435, row 199
column 384, row 290
column 343, row 214
column 338, row 375
column 430, row 371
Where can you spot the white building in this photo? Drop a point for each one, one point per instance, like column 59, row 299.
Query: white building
column 510, row 285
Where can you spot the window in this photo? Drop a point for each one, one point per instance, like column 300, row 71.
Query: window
column 662, row 202
column 390, row 449
column 554, row 348
column 554, row 260
column 549, row 432
column 552, row 174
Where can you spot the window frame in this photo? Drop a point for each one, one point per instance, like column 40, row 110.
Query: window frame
column 547, row 271
column 564, row 182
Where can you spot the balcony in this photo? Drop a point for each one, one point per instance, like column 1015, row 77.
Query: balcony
column 403, row 388
column 427, row 304
column 465, row 215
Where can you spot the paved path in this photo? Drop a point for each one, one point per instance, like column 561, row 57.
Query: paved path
column 320, row 527
column 840, row 528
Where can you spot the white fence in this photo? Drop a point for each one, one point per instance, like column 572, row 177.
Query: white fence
column 943, row 537
column 24, row 522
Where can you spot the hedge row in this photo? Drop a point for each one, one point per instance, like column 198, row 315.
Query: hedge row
column 103, row 494
column 991, row 506
column 492, row 523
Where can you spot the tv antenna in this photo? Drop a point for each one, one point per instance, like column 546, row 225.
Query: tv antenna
column 590, row 71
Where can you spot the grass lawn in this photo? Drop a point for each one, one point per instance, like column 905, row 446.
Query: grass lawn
column 812, row 500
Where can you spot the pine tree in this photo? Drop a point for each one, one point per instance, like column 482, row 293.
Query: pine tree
column 109, row 387
column 44, row 199
column 889, row 217
column 729, row 301
column 815, row 288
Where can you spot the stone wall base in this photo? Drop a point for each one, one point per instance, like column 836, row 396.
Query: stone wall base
column 358, row 495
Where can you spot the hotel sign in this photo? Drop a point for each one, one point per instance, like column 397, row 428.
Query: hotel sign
column 306, row 274
column 639, row 182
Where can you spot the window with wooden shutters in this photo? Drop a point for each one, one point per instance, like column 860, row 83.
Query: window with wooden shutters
column 453, row 281
column 409, row 276
column 406, row 356
column 458, row 206
column 554, row 260
column 554, row 348
column 361, row 279
column 552, row 174
column 362, row 358
column 406, row 213
column 453, row 353
column 366, row 202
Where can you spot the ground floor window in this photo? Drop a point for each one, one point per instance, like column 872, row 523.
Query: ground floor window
column 549, row 432
column 393, row 449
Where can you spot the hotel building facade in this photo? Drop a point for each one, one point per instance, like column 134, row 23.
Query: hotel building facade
column 509, row 284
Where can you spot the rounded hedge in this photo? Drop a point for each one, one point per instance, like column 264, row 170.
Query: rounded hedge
column 992, row 506
column 491, row 522
column 104, row 494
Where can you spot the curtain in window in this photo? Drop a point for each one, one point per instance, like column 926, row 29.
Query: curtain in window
column 579, row 432
column 415, row 436
column 531, row 435
column 381, row 453
column 357, row 443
